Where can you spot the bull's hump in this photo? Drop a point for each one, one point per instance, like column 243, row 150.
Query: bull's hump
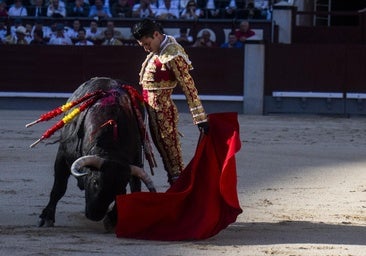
column 94, row 84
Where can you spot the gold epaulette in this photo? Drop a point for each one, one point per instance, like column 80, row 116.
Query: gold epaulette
column 172, row 50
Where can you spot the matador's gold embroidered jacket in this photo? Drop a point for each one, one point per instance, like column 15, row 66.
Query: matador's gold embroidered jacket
column 167, row 69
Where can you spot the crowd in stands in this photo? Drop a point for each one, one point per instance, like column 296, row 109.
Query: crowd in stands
column 19, row 32
column 161, row 9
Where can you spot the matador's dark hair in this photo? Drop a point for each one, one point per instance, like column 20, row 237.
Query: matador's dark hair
column 146, row 27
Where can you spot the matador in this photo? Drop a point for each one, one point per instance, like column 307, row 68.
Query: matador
column 166, row 66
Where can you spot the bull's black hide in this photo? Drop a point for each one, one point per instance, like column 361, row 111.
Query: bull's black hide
column 109, row 130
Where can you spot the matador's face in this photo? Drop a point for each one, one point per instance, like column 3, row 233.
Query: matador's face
column 151, row 44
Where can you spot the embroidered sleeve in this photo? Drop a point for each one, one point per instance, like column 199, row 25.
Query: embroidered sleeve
column 181, row 71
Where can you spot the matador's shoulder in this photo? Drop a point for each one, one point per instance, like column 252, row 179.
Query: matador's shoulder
column 172, row 50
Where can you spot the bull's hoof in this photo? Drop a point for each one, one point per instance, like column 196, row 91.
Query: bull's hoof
column 109, row 225
column 45, row 223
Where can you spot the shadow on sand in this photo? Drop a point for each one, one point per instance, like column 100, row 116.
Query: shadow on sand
column 289, row 232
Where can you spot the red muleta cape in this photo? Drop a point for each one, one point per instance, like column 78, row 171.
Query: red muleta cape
column 201, row 203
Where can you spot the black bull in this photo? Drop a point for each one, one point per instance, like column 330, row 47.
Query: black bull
column 102, row 147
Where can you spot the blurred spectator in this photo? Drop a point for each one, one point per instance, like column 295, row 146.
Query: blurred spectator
column 73, row 32
column 210, row 8
column 183, row 4
column 183, row 38
column 3, row 30
column 99, row 10
column 121, row 9
column 155, row 3
column 56, row 9
column 28, row 32
column 191, row 12
column 232, row 42
column 17, row 9
column 38, row 38
column 222, row 7
column 78, row 9
column 116, row 34
column 144, row 9
column 53, row 28
column 47, row 33
column 37, row 9
column 17, row 22
column 253, row 12
column 261, row 4
column 230, row 9
column 263, row 7
column 93, row 33
column 244, row 31
column 81, row 40
column 167, row 11
column 110, row 39
column 204, row 40
column 19, row 37
column 3, row 9
column 60, row 38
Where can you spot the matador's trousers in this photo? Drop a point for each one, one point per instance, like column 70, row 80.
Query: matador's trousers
column 163, row 124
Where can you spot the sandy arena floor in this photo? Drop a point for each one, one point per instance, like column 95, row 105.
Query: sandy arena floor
column 301, row 183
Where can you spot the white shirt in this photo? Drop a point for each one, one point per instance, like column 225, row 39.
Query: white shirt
column 261, row 4
column 210, row 4
column 61, row 9
column 232, row 4
column 173, row 3
column 144, row 13
column 47, row 32
column 174, row 11
column 188, row 16
column 183, row 4
column 3, row 33
column 93, row 35
column 72, row 33
column 14, row 11
column 60, row 41
column 84, row 43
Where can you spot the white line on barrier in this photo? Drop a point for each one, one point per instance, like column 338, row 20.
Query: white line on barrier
column 336, row 95
column 67, row 95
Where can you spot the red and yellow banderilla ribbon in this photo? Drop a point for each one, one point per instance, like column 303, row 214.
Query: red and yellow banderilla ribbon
column 89, row 100
column 137, row 99
column 67, row 106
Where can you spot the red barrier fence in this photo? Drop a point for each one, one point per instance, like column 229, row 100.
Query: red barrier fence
column 315, row 68
column 62, row 68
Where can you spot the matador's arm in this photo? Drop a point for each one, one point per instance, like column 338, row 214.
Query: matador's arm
column 181, row 71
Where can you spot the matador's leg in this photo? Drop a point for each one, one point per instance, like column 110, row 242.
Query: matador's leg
column 163, row 122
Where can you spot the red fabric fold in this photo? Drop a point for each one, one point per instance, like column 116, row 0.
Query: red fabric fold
column 201, row 203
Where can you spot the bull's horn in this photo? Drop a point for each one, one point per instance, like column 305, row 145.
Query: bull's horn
column 139, row 172
column 90, row 160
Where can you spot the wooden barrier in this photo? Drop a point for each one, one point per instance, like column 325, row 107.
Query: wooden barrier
column 307, row 69
column 62, row 68
column 308, row 78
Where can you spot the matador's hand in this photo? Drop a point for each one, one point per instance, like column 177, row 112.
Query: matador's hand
column 204, row 126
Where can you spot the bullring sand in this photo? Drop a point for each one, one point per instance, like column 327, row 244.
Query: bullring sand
column 301, row 184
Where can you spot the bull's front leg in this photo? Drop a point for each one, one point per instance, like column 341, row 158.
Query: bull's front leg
column 62, row 174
